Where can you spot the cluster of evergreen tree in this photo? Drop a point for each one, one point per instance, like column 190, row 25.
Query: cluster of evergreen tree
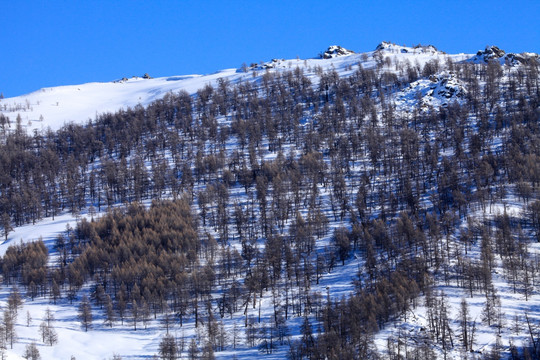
column 270, row 164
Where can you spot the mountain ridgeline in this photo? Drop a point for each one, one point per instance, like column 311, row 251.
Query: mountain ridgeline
column 207, row 206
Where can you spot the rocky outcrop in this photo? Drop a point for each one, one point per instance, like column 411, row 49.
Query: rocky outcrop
column 436, row 91
column 270, row 65
column 491, row 52
column 335, row 51
column 494, row 53
column 447, row 86
column 384, row 45
column 418, row 49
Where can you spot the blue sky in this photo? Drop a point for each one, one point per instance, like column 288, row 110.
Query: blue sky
column 51, row 43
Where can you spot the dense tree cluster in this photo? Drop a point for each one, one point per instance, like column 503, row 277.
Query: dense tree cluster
column 141, row 258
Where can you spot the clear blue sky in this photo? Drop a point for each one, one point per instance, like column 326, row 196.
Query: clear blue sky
column 50, row 43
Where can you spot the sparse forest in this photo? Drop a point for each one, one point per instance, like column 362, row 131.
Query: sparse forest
column 202, row 207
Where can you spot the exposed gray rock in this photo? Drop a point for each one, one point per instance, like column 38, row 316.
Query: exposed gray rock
column 435, row 91
column 447, row 86
column 491, row 52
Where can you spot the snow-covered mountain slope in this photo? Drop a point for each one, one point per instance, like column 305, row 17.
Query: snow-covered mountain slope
column 423, row 80
column 55, row 106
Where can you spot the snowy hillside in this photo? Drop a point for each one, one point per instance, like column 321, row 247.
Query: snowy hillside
column 53, row 107
column 377, row 205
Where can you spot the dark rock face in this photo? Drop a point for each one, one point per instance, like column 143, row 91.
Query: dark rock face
column 335, row 51
column 516, row 57
column 524, row 58
column 491, row 52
